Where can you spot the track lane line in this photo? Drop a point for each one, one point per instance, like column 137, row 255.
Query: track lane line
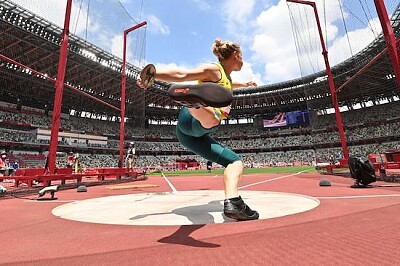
column 169, row 183
column 273, row 179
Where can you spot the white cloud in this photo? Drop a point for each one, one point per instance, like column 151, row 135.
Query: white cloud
column 237, row 13
column 157, row 26
column 273, row 46
column 202, row 5
column 247, row 74
column 117, row 46
column 346, row 46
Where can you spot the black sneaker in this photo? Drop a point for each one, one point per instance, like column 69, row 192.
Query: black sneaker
column 238, row 210
column 197, row 95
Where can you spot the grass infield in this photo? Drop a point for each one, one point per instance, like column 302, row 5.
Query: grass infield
column 292, row 169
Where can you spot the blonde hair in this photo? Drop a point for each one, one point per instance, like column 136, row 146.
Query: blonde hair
column 224, row 49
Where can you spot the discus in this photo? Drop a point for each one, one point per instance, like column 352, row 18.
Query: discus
column 147, row 75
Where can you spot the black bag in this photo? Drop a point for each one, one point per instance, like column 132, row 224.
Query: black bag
column 209, row 165
column 361, row 169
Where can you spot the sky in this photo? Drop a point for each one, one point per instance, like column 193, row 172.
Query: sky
column 279, row 41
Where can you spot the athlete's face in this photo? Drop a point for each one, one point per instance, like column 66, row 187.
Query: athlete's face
column 238, row 60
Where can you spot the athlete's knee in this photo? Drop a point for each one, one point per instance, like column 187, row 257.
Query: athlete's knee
column 238, row 164
column 230, row 158
column 234, row 169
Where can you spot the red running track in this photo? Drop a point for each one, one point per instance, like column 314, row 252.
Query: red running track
column 349, row 227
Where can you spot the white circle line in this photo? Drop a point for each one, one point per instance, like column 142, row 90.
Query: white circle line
column 181, row 208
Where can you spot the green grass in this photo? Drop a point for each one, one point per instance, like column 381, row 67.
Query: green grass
column 279, row 170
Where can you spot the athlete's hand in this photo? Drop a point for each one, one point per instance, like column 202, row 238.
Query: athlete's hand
column 140, row 84
column 244, row 84
column 251, row 84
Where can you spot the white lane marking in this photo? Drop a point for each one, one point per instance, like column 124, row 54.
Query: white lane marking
column 169, row 183
column 332, row 197
column 269, row 180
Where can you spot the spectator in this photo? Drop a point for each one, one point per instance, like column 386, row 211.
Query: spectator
column 76, row 163
column 5, row 170
column 15, row 165
column 70, row 159
column 130, row 156
column 3, row 165
column 209, row 166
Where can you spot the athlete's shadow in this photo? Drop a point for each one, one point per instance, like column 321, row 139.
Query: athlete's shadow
column 182, row 237
column 199, row 215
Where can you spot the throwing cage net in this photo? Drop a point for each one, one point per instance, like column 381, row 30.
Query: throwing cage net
column 96, row 36
column 363, row 77
column 30, row 49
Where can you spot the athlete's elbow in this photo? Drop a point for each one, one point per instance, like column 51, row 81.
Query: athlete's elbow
column 179, row 77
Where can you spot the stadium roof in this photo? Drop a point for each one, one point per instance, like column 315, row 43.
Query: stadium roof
column 35, row 42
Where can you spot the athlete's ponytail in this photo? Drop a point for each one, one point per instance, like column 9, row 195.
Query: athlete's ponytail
column 224, row 49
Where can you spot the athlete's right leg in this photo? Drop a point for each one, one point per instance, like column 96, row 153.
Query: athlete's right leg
column 194, row 137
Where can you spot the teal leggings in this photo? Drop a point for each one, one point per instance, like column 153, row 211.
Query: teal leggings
column 194, row 137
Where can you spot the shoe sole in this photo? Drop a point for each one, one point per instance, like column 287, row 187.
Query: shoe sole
column 241, row 217
column 197, row 95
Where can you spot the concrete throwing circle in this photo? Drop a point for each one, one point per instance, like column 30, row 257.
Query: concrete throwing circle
column 179, row 208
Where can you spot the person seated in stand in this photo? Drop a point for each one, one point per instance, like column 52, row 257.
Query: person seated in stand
column 5, row 168
column 15, row 165
column 205, row 105
column 3, row 165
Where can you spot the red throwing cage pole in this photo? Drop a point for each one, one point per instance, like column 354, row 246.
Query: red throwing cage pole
column 123, row 94
column 51, row 160
column 390, row 38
